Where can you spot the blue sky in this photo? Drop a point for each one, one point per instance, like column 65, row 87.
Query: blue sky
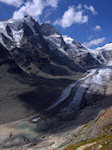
column 87, row 21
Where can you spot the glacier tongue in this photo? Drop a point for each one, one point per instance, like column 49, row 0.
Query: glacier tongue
column 66, row 92
column 94, row 82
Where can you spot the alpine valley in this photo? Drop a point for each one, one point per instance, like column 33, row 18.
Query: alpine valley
column 55, row 93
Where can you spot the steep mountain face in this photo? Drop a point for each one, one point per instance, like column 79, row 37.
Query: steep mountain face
column 67, row 47
column 47, row 41
column 56, row 50
column 20, row 36
column 47, row 30
column 13, row 31
column 6, row 59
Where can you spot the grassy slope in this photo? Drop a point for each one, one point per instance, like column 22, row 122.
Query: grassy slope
column 105, row 141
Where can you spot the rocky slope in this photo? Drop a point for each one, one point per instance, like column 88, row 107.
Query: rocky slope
column 97, row 134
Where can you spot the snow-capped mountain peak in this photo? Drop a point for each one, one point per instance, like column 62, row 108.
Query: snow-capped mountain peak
column 105, row 47
column 70, row 41
column 13, row 30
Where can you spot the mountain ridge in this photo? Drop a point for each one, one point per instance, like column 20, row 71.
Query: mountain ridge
column 48, row 38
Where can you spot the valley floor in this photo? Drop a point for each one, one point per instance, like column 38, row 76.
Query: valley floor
column 57, row 132
column 25, row 135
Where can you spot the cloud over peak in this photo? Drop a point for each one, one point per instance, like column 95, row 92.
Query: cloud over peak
column 72, row 16
column 34, row 8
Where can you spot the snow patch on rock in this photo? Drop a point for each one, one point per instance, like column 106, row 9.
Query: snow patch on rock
column 36, row 119
column 1, row 41
column 55, row 42
column 17, row 35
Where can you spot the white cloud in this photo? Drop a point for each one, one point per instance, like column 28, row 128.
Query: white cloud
column 79, row 6
column 52, row 3
column 95, row 42
column 34, row 8
column 16, row 3
column 97, row 28
column 70, row 17
column 91, row 8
